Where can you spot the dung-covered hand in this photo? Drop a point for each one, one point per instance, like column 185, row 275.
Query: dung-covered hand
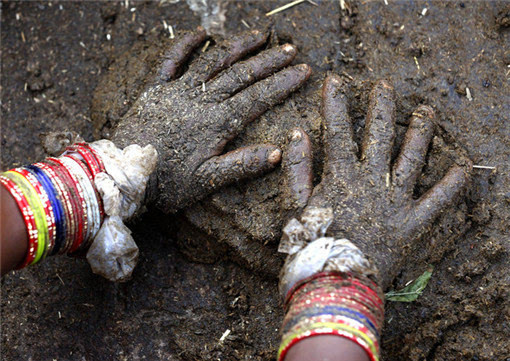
column 191, row 119
column 371, row 198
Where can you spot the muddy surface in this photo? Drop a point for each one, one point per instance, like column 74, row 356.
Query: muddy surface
column 186, row 292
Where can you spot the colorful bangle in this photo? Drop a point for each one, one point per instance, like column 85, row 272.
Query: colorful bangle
column 87, row 156
column 28, row 217
column 37, row 208
column 100, row 164
column 334, row 303
column 64, row 198
column 95, row 167
column 83, row 223
column 94, row 154
column 74, row 169
column 61, row 207
column 76, row 200
column 48, row 208
column 80, row 171
column 56, row 206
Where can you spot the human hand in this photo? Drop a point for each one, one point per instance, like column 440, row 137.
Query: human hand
column 191, row 119
column 371, row 199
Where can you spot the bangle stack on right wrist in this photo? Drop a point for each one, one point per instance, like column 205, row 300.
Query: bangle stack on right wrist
column 328, row 286
column 333, row 303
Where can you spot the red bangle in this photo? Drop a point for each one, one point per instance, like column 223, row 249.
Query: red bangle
column 71, row 200
column 78, row 201
column 48, row 209
column 28, row 218
column 82, row 206
column 88, row 157
column 96, row 156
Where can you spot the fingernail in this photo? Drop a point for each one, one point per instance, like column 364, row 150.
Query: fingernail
column 425, row 110
column 288, row 48
column 275, row 156
column 296, row 135
column 333, row 79
column 305, row 67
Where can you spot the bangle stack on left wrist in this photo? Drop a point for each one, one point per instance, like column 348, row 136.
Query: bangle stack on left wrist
column 60, row 204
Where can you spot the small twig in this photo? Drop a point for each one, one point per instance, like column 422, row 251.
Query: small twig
column 225, row 335
column 484, row 167
column 63, row 284
column 206, row 45
column 347, row 75
column 468, row 94
column 285, row 7
column 416, row 62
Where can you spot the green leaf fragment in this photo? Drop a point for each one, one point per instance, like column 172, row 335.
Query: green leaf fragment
column 413, row 290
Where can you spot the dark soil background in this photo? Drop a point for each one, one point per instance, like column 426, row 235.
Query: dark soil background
column 54, row 54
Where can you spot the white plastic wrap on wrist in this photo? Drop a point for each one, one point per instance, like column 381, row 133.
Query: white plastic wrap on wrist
column 113, row 253
column 309, row 252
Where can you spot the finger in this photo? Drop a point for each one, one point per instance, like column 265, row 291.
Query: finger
column 180, row 50
column 239, row 164
column 440, row 197
column 411, row 159
column 222, row 56
column 379, row 130
column 250, row 103
column 297, row 171
column 341, row 149
column 243, row 74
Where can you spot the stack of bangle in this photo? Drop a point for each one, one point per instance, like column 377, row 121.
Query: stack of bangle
column 334, row 303
column 59, row 202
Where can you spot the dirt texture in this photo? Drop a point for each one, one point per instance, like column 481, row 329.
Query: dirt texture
column 186, row 292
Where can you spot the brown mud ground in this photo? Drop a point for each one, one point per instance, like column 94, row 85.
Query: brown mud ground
column 53, row 57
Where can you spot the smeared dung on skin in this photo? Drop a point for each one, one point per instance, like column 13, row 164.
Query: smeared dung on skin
column 249, row 216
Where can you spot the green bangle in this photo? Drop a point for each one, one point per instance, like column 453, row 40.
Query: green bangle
column 37, row 207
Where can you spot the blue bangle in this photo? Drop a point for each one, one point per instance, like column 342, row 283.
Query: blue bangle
column 335, row 310
column 55, row 203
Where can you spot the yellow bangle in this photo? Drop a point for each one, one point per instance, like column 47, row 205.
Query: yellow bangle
column 37, row 207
